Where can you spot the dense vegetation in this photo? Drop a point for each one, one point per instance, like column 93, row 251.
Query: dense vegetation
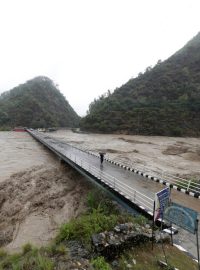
column 165, row 100
column 37, row 103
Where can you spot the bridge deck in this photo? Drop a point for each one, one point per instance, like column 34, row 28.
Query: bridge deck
column 141, row 184
column 131, row 179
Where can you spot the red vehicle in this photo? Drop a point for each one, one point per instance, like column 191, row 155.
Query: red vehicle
column 19, row 129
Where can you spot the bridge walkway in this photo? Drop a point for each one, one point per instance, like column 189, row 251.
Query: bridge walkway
column 130, row 179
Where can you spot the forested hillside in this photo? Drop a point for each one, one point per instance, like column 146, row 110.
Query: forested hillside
column 36, row 103
column 165, row 100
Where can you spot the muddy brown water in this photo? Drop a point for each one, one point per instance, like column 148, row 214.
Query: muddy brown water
column 37, row 193
column 18, row 152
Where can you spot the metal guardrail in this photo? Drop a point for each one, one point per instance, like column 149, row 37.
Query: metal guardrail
column 189, row 185
column 186, row 184
column 125, row 190
column 128, row 192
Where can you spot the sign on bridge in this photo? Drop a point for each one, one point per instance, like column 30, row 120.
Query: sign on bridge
column 161, row 202
column 184, row 217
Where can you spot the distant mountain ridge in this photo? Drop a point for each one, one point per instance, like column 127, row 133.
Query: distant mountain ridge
column 165, row 100
column 36, row 103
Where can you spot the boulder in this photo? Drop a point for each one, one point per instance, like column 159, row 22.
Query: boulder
column 109, row 244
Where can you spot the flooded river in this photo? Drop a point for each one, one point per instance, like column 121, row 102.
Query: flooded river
column 18, row 151
column 37, row 193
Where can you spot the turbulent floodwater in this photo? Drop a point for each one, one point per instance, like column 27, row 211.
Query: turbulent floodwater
column 37, row 193
column 18, row 151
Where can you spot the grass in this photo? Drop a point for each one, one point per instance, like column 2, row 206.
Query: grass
column 83, row 227
column 55, row 250
column 147, row 259
column 3, row 253
column 32, row 258
column 100, row 264
column 102, row 216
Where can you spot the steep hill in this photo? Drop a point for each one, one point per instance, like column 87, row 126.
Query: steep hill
column 165, row 100
column 36, row 103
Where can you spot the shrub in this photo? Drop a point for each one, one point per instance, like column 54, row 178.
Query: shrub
column 26, row 248
column 100, row 264
column 82, row 228
column 30, row 259
column 98, row 200
column 54, row 249
column 3, row 253
column 141, row 220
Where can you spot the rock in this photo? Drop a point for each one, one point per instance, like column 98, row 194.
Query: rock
column 77, row 250
column 110, row 244
column 147, row 226
column 103, row 235
column 117, row 229
column 123, row 227
column 162, row 237
column 115, row 263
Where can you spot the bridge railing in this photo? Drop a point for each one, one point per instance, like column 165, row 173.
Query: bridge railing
column 128, row 192
column 186, row 184
column 189, row 185
column 122, row 188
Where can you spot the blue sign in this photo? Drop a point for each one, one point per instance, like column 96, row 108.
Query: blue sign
column 182, row 216
column 161, row 202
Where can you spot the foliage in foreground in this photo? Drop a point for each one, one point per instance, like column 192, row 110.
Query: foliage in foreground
column 144, row 258
column 31, row 258
column 83, row 227
column 101, row 216
column 100, row 264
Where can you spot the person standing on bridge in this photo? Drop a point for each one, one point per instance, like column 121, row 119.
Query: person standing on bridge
column 101, row 157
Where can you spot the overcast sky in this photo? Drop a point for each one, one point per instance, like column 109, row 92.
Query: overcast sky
column 90, row 46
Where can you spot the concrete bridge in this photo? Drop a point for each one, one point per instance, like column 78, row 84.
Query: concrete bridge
column 134, row 188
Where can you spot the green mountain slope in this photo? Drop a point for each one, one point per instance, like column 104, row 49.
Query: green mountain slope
column 37, row 103
column 165, row 100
